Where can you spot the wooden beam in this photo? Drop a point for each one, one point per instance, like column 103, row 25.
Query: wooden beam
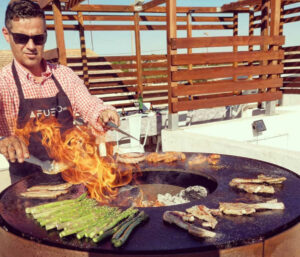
column 197, row 42
column 59, row 32
column 226, row 86
column 83, row 50
column 226, row 57
column 235, row 5
column 152, row 4
column 171, row 34
column 138, row 53
column 43, row 3
column 223, row 101
column 103, row 8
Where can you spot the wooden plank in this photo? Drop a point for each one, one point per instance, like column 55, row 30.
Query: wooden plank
column 226, row 86
column 103, row 8
column 225, row 72
column 291, row 11
column 109, row 17
column 196, row 42
column 224, row 101
column 155, row 73
column 291, row 49
column 235, row 5
column 171, row 34
column 59, row 32
column 291, row 71
column 285, row 85
column 189, row 34
column 291, row 19
column 211, row 19
column 152, row 4
column 294, row 79
column 155, row 65
column 225, row 57
column 138, row 53
column 291, row 91
column 83, row 50
column 43, row 3
column 154, row 57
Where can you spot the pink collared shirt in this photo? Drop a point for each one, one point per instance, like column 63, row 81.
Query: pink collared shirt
column 83, row 103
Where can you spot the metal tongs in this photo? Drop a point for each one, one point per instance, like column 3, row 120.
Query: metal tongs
column 115, row 127
column 48, row 167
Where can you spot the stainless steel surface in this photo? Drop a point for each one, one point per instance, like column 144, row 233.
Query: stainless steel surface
column 115, row 127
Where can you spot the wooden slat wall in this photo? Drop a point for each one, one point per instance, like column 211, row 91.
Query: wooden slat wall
column 220, row 78
column 291, row 75
column 114, row 78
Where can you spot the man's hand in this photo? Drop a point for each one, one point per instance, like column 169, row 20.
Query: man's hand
column 13, row 148
column 109, row 115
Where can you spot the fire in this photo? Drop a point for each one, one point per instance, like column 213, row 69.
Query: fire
column 77, row 148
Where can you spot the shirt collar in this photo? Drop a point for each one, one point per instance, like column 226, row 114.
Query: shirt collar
column 23, row 72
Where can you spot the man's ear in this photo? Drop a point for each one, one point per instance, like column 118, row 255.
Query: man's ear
column 6, row 34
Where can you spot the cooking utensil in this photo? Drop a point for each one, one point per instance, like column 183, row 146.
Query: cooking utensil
column 48, row 167
column 115, row 127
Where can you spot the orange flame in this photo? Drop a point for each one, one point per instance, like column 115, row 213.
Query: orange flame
column 77, row 148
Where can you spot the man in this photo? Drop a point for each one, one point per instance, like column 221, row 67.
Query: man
column 30, row 86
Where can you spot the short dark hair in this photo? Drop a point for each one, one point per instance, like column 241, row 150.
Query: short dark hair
column 22, row 9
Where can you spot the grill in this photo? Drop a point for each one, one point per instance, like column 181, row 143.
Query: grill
column 22, row 235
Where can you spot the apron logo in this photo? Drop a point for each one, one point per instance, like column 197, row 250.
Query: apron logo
column 48, row 112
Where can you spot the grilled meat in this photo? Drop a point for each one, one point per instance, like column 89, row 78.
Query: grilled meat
column 254, row 188
column 58, row 187
column 259, row 180
column 43, row 194
column 173, row 217
column 246, row 209
column 165, row 157
column 203, row 213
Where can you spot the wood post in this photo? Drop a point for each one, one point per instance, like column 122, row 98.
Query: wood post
column 235, row 48
column 171, row 33
column 189, row 33
column 59, row 31
column 83, row 50
column 139, row 67
column 275, row 6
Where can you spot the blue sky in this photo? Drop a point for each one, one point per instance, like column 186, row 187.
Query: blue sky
column 121, row 42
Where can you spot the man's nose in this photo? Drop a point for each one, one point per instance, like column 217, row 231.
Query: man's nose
column 30, row 44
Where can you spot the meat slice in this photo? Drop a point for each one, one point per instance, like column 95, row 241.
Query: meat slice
column 201, row 212
column 57, row 187
column 246, row 208
column 254, row 188
column 259, row 180
column 197, row 160
column 43, row 194
column 173, row 217
column 165, row 157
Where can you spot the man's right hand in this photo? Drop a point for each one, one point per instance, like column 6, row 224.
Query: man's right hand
column 13, row 148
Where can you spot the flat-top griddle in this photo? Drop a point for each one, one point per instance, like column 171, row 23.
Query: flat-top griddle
column 155, row 236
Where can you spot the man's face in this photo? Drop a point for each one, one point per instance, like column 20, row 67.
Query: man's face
column 29, row 54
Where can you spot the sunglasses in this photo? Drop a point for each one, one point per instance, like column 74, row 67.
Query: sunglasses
column 20, row 38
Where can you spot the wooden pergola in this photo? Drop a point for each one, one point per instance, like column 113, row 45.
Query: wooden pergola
column 191, row 79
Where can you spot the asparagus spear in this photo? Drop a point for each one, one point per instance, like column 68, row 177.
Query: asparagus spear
column 121, row 238
column 115, row 221
column 110, row 232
